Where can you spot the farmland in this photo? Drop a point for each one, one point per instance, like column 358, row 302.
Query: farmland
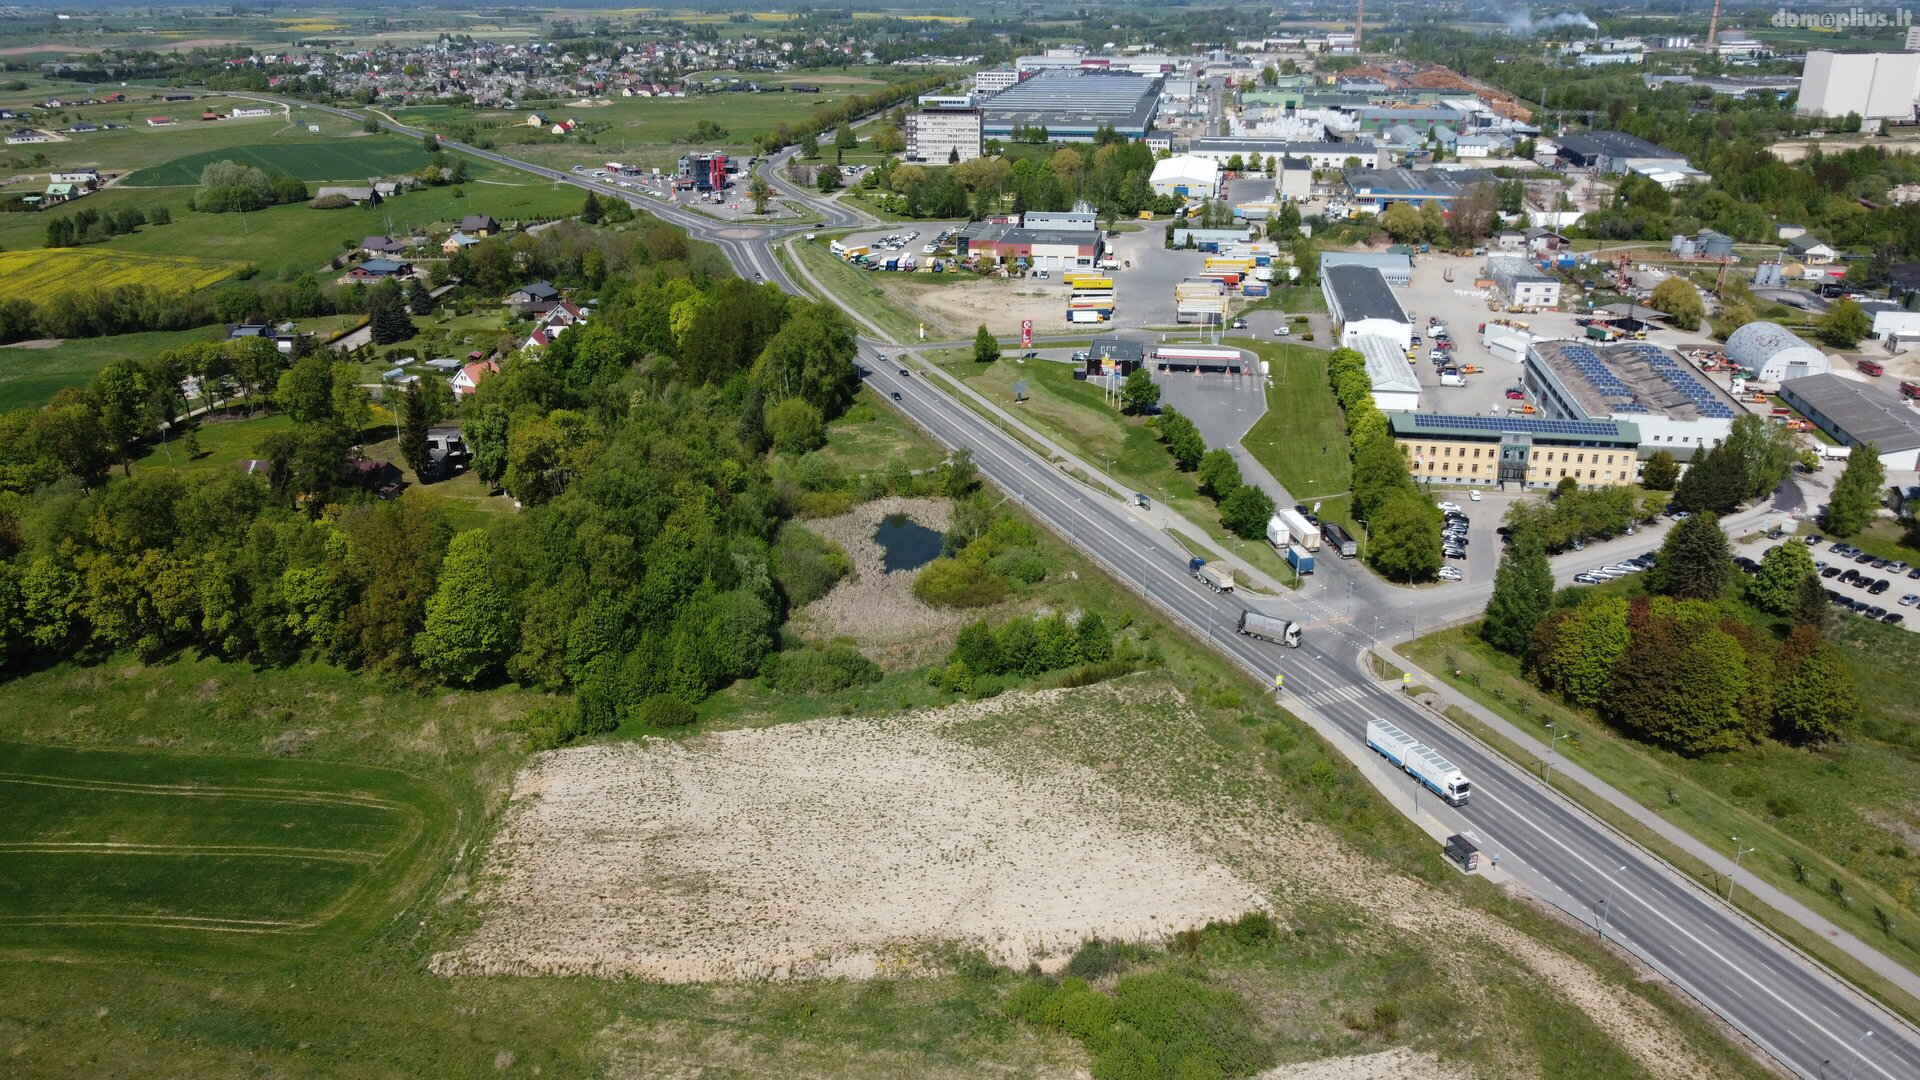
column 330, row 159
column 30, row 375
column 49, row 272
column 132, row 144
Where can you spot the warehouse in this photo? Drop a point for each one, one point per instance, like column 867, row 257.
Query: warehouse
column 1518, row 450
column 1073, row 106
column 1856, row 414
column 1360, row 303
column 1396, row 268
column 1774, row 353
column 1612, row 152
column 1674, row 408
column 1186, row 176
column 1038, row 249
column 1319, row 155
column 1395, row 386
column 1377, row 189
column 1522, row 283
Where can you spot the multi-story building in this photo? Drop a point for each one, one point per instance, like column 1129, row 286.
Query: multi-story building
column 1670, row 404
column 1522, row 283
column 943, row 135
column 1522, row 452
column 992, row 82
column 1877, row 86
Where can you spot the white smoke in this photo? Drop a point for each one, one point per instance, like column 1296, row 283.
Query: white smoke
column 1521, row 23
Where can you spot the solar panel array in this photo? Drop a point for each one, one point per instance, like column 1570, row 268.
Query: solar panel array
column 1532, row 426
column 1682, row 379
column 1620, row 397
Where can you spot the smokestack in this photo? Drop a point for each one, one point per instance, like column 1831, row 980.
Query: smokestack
column 1359, row 24
column 1713, row 25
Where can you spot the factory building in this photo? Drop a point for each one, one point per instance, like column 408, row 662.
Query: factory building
column 1361, row 304
column 1395, row 386
column 1856, row 414
column 1523, row 283
column 1673, row 407
column 1878, row 86
column 1774, row 353
column 1073, row 106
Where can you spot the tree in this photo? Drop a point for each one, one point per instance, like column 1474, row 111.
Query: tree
column 469, row 622
column 795, row 426
column 844, row 140
column 1680, row 301
column 809, row 145
column 1404, row 538
column 761, row 193
column 1716, row 481
column 1679, row 684
column 1577, row 653
column 1567, row 486
column 305, row 391
column 429, row 143
column 1661, row 472
column 827, row 178
column 1139, row 393
column 1844, row 324
column 986, row 349
column 1856, row 495
column 416, row 419
column 419, row 299
column 1246, row 511
column 1765, row 453
column 590, row 209
column 1218, row 474
column 1522, row 594
column 486, row 437
column 1401, row 221
column 1183, row 440
column 1813, row 696
column 387, row 318
column 1695, row 561
column 1783, row 570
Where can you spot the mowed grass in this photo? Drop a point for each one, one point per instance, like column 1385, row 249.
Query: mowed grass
column 49, row 272
column 1302, row 439
column 29, row 377
column 331, row 159
column 870, row 437
column 225, row 861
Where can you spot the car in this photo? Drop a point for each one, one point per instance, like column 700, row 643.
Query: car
column 1898, row 566
column 1681, row 515
column 1474, row 495
column 904, row 373
column 1578, row 545
column 1775, row 534
column 1914, row 573
column 1588, row 579
column 1837, row 597
column 1626, row 567
column 1876, row 613
column 1451, row 573
column 1879, row 587
column 1282, row 330
column 1603, row 573
column 1454, row 507
column 1839, row 547
column 1820, row 564
column 1882, row 564
column 1239, row 324
column 1830, row 572
column 1816, row 540
column 1910, row 599
column 896, row 395
column 1644, row 562
column 929, row 249
column 1417, row 341
column 1865, row 558
column 1858, row 606
column 1454, row 553
column 1893, row 618
column 1849, row 576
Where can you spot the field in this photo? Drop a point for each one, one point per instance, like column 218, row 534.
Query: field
column 30, row 375
column 151, row 855
column 332, row 159
column 1302, row 439
column 48, row 272
column 132, row 144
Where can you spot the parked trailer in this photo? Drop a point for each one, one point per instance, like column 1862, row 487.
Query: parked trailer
column 1339, row 539
column 1196, row 354
column 1301, row 530
column 1422, row 762
column 1090, row 281
column 1085, row 317
column 1212, row 575
column 1300, row 559
column 1268, row 628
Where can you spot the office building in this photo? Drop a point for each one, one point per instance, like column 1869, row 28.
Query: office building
column 942, row 136
column 1518, row 451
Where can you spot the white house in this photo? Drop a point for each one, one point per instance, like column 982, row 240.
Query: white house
column 1811, row 250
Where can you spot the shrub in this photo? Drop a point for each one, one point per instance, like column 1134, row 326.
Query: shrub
column 960, row 582
column 806, row 566
column 838, row 666
column 1097, row 958
column 331, row 202
column 665, row 710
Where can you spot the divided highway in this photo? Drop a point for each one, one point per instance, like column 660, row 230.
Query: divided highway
column 1806, row 1019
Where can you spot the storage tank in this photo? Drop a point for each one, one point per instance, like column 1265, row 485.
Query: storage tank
column 1717, row 245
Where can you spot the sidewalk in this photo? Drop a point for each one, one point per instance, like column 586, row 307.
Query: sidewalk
column 1876, row 961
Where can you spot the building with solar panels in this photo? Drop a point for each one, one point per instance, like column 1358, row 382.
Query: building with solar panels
column 1517, row 451
column 1073, row 106
column 1674, row 407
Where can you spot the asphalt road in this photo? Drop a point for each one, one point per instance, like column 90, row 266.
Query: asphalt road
column 1809, row 1021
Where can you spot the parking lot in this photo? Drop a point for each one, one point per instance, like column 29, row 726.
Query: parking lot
column 911, row 238
column 1851, row 580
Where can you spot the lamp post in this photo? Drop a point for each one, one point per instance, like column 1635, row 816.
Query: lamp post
column 1737, row 852
column 1551, row 743
column 1859, row 1051
column 1607, row 915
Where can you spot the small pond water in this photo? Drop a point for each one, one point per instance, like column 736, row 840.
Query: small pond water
column 906, row 544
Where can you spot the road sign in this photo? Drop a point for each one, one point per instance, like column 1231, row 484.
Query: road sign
column 1026, row 333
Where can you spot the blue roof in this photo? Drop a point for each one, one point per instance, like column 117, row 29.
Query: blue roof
column 381, row 266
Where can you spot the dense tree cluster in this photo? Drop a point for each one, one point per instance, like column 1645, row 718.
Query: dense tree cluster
column 227, row 186
column 1403, row 526
column 1750, row 462
column 1581, row 513
column 988, row 554
column 1856, row 495
column 1111, row 173
column 1022, row 647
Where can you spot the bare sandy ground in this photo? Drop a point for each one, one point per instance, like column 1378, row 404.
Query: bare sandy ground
column 1000, row 304
column 836, row 848
column 875, row 607
column 1399, row 1063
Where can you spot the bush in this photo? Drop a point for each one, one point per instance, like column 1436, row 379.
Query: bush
column 665, row 710
column 839, row 666
column 958, row 582
column 331, row 202
column 806, row 566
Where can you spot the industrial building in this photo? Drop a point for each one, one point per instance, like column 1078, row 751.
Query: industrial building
column 1395, row 267
column 1319, row 155
column 994, row 81
column 1037, row 249
column 1856, row 414
column 1360, row 303
column 1774, row 353
column 1376, row 189
column 1395, row 386
column 1082, row 218
column 1073, row 106
column 1186, row 176
column 1611, row 152
column 1518, row 450
column 1523, row 283
column 943, row 134
column 1673, row 406
column 1878, row 86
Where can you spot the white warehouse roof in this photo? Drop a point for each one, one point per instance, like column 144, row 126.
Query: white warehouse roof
column 1395, row 386
column 1775, row 353
column 1186, row 170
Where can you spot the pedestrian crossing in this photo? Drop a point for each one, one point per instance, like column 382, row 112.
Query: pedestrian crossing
column 1333, row 695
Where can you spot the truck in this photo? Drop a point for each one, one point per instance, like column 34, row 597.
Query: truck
column 1910, row 390
column 1425, row 764
column 1269, row 628
column 1212, row 575
column 1085, row 317
column 1339, row 539
column 1300, row 559
column 1298, row 527
column 1251, row 290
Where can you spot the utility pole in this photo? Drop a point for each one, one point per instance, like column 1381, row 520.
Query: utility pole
column 1551, row 743
column 1737, row 852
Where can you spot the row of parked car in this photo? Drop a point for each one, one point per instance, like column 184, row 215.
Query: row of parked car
column 1453, row 536
column 1638, row 564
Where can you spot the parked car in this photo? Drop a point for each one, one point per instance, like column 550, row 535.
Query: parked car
column 1830, row 572
column 1239, row 324
column 1879, row 587
column 1876, row 613
column 1588, row 579
column 1451, row 573
column 1473, row 495
column 1893, row 618
column 1445, row 506
column 1281, row 330
column 1816, row 539
column 1910, row 599
column 1849, row 575
column 1681, row 515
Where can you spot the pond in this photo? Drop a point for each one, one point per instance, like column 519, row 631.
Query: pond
column 906, row 544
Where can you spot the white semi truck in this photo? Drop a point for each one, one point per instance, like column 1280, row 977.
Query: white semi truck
column 1422, row 762
column 1288, row 526
column 1279, row 631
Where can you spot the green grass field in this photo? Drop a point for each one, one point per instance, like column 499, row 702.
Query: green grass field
column 135, row 145
column 312, row 160
column 130, row 855
column 29, row 377
column 871, row 436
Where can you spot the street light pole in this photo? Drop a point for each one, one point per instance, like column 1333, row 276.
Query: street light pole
column 1551, row 743
column 1859, row 1051
column 1607, row 915
column 1737, row 852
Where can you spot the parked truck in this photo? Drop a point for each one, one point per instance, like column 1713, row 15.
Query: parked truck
column 1212, row 575
column 1297, row 527
column 1339, row 539
column 1300, row 559
column 1425, row 764
column 1269, row 628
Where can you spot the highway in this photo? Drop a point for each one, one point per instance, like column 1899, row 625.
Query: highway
column 1808, row 1020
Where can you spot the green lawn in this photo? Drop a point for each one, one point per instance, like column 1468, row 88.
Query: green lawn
column 30, row 377
column 221, row 861
column 135, row 145
column 871, row 436
column 310, row 159
column 856, row 289
column 1302, row 439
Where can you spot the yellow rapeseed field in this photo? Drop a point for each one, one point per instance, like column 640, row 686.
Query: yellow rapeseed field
column 46, row 272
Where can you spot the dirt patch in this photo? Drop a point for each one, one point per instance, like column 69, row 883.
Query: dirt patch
column 1399, row 1063
column 1000, row 304
column 835, row 848
column 589, row 103
column 877, row 608
column 36, row 343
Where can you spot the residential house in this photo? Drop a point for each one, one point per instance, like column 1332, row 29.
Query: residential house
column 562, row 314
column 1509, row 240
column 1811, row 250
column 83, row 178
column 457, row 241
column 1542, row 239
column 358, row 196
column 21, row 136
column 479, row 225
column 527, row 295
column 383, row 245
column 562, row 127
column 380, row 270
column 386, row 189
column 537, row 120
column 159, row 121
column 83, row 128
column 59, row 193
column 469, row 377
